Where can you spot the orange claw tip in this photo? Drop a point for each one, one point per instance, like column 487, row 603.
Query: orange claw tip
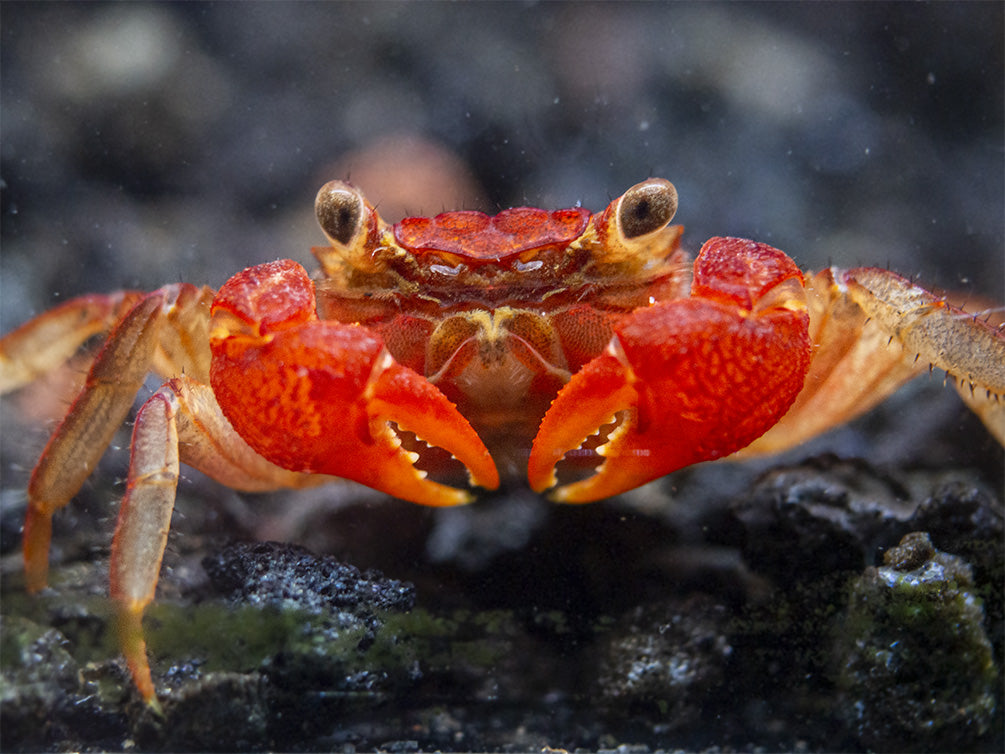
column 586, row 403
column 400, row 395
column 629, row 463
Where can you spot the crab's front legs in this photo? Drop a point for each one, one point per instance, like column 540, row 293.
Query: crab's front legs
column 325, row 397
column 133, row 346
column 42, row 344
column 688, row 380
column 142, row 529
column 180, row 423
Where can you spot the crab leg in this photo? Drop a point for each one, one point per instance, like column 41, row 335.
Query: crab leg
column 142, row 528
column 938, row 333
column 872, row 331
column 44, row 343
column 321, row 396
column 78, row 443
column 181, row 422
column 690, row 380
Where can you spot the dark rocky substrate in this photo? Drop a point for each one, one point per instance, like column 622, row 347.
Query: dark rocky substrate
column 826, row 606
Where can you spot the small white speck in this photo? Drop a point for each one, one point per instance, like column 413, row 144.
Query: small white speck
column 443, row 269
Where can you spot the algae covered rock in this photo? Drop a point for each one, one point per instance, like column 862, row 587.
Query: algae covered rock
column 47, row 700
column 916, row 669
column 290, row 626
column 668, row 657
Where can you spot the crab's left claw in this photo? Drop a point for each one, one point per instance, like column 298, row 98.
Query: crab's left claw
column 326, row 397
column 687, row 380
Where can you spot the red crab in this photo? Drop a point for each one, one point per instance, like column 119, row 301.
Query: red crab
column 511, row 345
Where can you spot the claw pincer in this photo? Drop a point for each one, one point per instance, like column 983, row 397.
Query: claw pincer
column 687, row 380
column 321, row 396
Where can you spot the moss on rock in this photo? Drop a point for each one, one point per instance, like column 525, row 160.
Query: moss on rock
column 916, row 669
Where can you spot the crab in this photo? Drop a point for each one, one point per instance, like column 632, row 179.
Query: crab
column 582, row 352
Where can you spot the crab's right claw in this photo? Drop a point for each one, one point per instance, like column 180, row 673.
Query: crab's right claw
column 687, row 380
column 326, row 397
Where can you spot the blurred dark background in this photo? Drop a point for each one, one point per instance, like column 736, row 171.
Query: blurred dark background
column 150, row 143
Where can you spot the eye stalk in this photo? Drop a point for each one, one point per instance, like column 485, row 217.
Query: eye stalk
column 340, row 210
column 646, row 208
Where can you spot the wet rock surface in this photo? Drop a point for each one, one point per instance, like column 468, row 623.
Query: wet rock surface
column 705, row 644
column 915, row 660
column 834, row 513
column 286, row 577
column 666, row 660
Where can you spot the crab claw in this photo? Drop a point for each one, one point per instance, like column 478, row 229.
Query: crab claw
column 326, row 397
column 687, row 380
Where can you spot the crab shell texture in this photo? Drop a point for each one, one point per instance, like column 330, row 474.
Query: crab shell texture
column 583, row 352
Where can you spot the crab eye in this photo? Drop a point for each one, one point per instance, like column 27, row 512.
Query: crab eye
column 339, row 208
column 646, row 207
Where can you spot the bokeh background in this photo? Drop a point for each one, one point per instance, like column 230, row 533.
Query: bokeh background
column 151, row 143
